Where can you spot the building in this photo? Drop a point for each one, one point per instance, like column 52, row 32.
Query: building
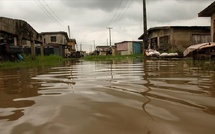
column 18, row 33
column 71, row 45
column 15, row 32
column 210, row 12
column 103, row 50
column 57, row 40
column 177, row 37
column 129, row 47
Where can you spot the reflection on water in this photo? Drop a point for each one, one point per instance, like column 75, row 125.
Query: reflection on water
column 16, row 84
column 129, row 97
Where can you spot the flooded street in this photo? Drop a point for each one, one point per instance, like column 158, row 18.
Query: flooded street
column 129, row 97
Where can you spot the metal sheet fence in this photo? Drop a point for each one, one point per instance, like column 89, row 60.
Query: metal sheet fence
column 47, row 51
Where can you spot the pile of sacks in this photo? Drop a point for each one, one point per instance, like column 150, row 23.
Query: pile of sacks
column 154, row 53
column 169, row 55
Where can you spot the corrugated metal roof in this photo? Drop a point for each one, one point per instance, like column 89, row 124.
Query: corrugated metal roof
column 198, row 47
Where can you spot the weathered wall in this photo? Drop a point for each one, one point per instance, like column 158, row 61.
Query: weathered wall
column 130, row 48
column 137, row 49
column 72, row 44
column 19, row 29
column 60, row 38
column 157, row 34
column 122, row 46
column 183, row 37
column 179, row 38
column 7, row 25
column 213, row 28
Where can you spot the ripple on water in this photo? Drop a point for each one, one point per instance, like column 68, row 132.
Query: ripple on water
column 157, row 96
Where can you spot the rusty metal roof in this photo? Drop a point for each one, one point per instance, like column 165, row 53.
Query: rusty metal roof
column 198, row 47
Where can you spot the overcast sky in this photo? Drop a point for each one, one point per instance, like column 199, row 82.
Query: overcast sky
column 89, row 19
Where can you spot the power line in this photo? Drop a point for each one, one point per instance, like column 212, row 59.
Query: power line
column 40, row 4
column 116, row 12
column 122, row 6
column 50, row 13
column 54, row 13
column 124, row 11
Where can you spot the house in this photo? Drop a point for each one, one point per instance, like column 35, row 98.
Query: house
column 15, row 32
column 71, row 44
column 210, row 12
column 103, row 50
column 129, row 47
column 113, row 50
column 177, row 37
column 205, row 50
column 57, row 40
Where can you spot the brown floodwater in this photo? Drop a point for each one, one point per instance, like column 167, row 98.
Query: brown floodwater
column 126, row 97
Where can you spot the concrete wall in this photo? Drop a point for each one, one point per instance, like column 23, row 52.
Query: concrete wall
column 183, row 37
column 60, row 38
column 179, row 38
column 156, row 34
column 7, row 25
column 19, row 29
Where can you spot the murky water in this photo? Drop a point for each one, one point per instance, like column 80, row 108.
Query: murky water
column 130, row 97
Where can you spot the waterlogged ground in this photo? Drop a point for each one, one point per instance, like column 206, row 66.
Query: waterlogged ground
column 128, row 97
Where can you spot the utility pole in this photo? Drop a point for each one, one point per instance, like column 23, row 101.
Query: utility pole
column 109, row 34
column 145, row 29
column 80, row 47
column 107, row 42
column 69, row 32
column 94, row 45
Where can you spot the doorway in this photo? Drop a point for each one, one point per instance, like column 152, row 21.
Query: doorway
column 213, row 40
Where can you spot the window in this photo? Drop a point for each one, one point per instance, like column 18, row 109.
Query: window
column 53, row 39
column 154, row 43
column 164, row 42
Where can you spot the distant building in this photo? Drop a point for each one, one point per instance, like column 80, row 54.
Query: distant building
column 210, row 12
column 71, row 44
column 103, row 50
column 177, row 37
column 113, row 50
column 129, row 47
column 57, row 40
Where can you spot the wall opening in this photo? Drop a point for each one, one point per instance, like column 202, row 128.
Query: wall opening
column 213, row 32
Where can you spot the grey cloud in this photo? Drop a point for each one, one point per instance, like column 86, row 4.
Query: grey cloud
column 105, row 5
column 179, row 10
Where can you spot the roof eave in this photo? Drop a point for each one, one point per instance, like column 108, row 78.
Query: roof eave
column 207, row 12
